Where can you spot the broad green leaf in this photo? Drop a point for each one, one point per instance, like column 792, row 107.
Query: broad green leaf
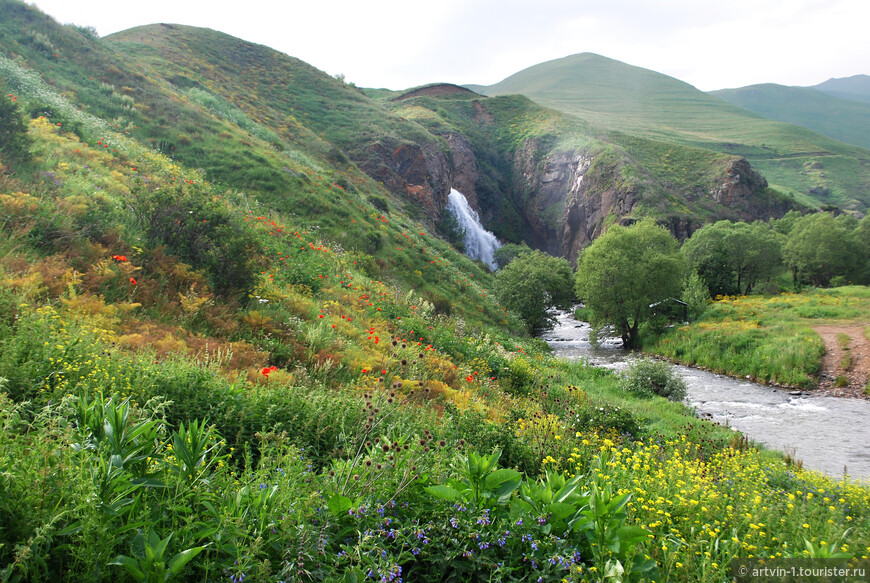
column 161, row 547
column 443, row 492
column 643, row 566
column 619, row 503
column 177, row 563
column 632, row 534
column 494, row 480
column 560, row 510
column 506, row 489
column 567, row 489
column 519, row 508
column 339, row 505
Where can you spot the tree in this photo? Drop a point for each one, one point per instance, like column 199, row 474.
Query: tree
column 696, row 294
column 732, row 258
column 508, row 252
column 624, row 271
column 531, row 284
column 821, row 246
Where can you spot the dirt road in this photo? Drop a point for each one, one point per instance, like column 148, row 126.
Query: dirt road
column 855, row 356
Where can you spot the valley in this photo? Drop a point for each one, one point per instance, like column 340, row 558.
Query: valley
column 245, row 335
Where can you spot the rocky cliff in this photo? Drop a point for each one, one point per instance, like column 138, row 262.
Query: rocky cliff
column 566, row 197
column 421, row 173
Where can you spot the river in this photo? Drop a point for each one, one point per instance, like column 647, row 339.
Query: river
column 827, row 433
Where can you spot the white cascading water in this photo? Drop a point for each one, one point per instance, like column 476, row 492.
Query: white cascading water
column 479, row 243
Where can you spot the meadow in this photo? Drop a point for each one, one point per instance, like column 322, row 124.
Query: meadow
column 768, row 338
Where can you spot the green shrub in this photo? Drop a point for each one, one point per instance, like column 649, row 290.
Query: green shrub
column 14, row 141
column 653, row 377
column 605, row 419
column 202, row 233
column 486, row 437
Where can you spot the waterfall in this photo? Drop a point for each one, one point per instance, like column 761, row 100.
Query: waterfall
column 479, row 243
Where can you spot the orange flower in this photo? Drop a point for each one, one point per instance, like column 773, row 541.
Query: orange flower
column 132, row 281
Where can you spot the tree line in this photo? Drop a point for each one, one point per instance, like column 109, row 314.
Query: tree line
column 626, row 274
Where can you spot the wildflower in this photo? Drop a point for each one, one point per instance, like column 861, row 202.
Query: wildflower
column 132, row 281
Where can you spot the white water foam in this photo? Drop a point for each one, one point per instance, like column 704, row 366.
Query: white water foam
column 479, row 243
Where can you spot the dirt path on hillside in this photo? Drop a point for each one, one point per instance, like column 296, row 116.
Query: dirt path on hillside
column 858, row 352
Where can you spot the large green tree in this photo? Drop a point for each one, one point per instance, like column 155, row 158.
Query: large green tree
column 624, row 271
column 732, row 258
column 533, row 283
column 821, row 246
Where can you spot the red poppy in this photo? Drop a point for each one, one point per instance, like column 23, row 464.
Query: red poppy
column 119, row 257
column 132, row 281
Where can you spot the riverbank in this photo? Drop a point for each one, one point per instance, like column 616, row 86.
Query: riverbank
column 775, row 340
column 806, row 426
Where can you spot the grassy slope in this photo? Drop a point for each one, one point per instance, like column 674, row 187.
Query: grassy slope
column 613, row 95
column 841, row 119
column 272, row 87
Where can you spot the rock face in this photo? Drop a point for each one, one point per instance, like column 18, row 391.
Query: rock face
column 565, row 198
column 425, row 173
column 422, row 173
column 740, row 183
column 465, row 172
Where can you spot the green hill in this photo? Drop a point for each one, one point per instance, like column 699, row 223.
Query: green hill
column 842, row 119
column 856, row 87
column 612, row 95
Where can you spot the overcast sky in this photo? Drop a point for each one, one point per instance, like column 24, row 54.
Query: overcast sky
column 711, row 44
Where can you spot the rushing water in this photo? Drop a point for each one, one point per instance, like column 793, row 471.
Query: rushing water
column 479, row 243
column 827, row 433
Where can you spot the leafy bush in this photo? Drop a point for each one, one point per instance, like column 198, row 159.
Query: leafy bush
column 696, row 295
column 484, row 437
column 653, row 377
column 201, row 232
column 14, row 141
column 605, row 419
column 533, row 283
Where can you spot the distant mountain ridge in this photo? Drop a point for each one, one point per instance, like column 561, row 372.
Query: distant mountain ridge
column 826, row 112
column 856, row 87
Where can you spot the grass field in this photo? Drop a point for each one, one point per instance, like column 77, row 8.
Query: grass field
column 768, row 338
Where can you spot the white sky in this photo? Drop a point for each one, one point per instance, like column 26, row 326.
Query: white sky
column 711, row 44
